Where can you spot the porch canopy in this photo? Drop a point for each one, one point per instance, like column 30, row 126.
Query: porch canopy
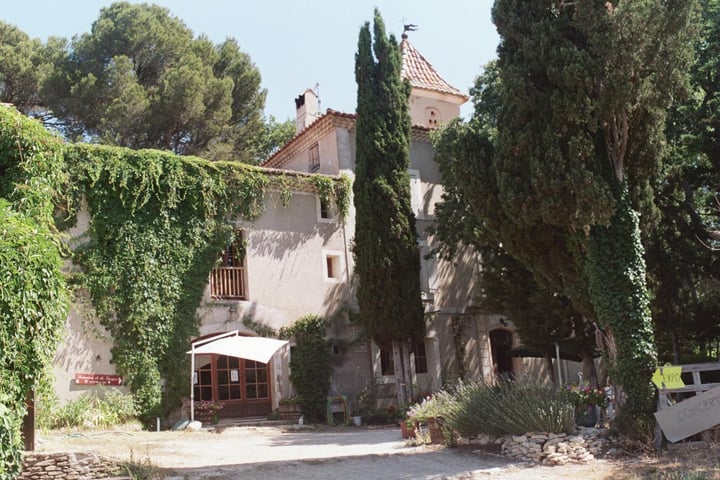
column 231, row 344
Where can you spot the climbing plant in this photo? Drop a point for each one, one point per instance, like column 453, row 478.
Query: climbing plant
column 158, row 222
column 310, row 367
column 33, row 295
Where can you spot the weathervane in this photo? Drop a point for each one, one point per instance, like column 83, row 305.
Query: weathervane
column 408, row 27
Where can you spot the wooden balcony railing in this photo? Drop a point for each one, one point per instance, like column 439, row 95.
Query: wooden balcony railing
column 228, row 282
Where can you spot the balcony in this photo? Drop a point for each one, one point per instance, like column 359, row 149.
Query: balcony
column 228, row 283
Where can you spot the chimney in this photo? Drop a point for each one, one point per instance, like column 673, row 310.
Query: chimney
column 306, row 109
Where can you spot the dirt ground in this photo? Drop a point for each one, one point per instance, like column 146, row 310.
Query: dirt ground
column 351, row 453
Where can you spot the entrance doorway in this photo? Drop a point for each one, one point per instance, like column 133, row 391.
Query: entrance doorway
column 501, row 342
column 241, row 386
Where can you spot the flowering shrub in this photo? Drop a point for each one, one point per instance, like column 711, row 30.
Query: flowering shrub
column 207, row 407
column 436, row 405
column 584, row 395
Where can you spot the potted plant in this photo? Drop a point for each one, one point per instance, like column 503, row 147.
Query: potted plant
column 588, row 400
column 289, row 408
column 430, row 411
column 207, row 411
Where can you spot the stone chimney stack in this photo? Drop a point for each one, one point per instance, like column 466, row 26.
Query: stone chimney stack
column 307, row 109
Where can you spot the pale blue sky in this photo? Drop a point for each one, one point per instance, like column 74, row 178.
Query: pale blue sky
column 298, row 43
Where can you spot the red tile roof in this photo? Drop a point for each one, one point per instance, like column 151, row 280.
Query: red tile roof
column 331, row 118
column 421, row 73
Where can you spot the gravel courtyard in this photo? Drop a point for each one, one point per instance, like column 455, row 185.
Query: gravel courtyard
column 347, row 453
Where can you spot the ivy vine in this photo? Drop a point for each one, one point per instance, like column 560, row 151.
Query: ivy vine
column 615, row 270
column 158, row 222
column 33, row 293
column 310, row 367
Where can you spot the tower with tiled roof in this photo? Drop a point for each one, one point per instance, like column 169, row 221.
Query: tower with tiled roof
column 433, row 101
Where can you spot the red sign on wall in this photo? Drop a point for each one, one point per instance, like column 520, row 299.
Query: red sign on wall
column 97, row 379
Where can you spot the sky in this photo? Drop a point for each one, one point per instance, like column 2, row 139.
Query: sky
column 300, row 44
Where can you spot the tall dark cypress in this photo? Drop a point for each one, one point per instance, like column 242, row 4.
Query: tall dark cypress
column 386, row 251
column 585, row 90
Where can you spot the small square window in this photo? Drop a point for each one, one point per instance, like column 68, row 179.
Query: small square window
column 325, row 210
column 332, row 266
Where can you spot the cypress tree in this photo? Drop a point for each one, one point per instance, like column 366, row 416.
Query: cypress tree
column 586, row 85
column 386, row 253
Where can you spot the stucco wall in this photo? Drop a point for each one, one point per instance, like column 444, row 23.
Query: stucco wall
column 84, row 345
column 446, row 105
column 84, row 348
column 286, row 262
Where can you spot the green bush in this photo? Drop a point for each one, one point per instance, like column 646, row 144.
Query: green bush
column 438, row 405
column 310, row 367
column 513, row 407
column 108, row 408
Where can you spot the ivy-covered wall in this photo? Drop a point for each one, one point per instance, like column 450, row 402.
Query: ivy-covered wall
column 33, row 294
column 158, row 222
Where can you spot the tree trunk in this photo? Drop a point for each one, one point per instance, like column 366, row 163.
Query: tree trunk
column 588, row 369
column 403, row 376
column 615, row 270
column 548, row 361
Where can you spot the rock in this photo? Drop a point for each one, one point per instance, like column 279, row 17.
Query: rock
column 194, row 426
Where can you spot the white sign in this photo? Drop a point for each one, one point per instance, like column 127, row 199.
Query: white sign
column 234, row 376
column 690, row 416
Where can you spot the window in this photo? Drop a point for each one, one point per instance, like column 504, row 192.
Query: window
column 331, row 266
column 421, row 365
column 387, row 362
column 433, row 117
column 256, row 380
column 228, row 378
column 428, row 271
column 416, row 199
column 325, row 209
column 202, row 382
column 227, row 280
column 314, row 158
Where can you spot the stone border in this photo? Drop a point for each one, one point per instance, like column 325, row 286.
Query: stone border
column 67, row 466
column 535, row 448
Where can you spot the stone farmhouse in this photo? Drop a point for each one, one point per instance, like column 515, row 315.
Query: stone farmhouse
column 296, row 260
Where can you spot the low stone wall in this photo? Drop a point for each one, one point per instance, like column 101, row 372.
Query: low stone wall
column 67, row 466
column 548, row 448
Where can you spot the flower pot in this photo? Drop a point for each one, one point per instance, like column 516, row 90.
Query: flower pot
column 406, row 430
column 435, row 430
column 588, row 417
column 205, row 417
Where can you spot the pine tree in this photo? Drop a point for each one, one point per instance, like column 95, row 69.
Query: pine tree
column 386, row 251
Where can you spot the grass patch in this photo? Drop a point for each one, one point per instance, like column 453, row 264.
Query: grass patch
column 104, row 409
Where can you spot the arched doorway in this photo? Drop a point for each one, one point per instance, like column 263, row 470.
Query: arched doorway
column 501, row 342
column 241, row 386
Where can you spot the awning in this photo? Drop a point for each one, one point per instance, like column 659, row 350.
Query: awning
column 231, row 344
column 259, row 349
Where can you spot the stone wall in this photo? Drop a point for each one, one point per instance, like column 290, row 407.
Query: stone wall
column 535, row 448
column 67, row 466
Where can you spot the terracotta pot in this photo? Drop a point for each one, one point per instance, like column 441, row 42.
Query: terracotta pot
column 406, row 430
column 435, row 430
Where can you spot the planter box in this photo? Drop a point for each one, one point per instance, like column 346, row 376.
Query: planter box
column 289, row 412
